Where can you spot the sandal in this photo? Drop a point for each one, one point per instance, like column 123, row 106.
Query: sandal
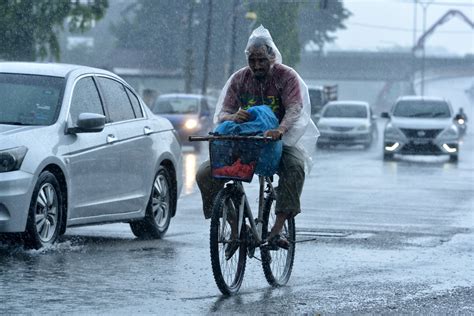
column 231, row 248
column 278, row 241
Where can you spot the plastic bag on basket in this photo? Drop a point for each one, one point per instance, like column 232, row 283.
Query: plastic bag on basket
column 247, row 157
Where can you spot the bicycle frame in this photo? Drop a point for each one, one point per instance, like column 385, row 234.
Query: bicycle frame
column 244, row 206
column 256, row 225
column 230, row 246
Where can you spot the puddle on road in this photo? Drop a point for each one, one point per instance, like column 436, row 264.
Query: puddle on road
column 313, row 235
column 322, row 234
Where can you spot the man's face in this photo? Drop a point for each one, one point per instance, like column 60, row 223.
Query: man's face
column 259, row 62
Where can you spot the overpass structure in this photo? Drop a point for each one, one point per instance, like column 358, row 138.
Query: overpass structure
column 379, row 78
column 375, row 66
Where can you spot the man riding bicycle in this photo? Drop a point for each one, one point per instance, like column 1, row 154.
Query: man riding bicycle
column 266, row 81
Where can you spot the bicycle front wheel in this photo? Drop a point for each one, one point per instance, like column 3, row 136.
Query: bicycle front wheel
column 277, row 264
column 228, row 273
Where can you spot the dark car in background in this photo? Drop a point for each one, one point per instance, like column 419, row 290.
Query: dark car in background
column 348, row 123
column 421, row 125
column 320, row 96
column 190, row 114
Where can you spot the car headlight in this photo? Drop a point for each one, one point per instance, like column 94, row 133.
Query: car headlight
column 362, row 128
column 393, row 132
column 190, row 124
column 12, row 158
column 450, row 132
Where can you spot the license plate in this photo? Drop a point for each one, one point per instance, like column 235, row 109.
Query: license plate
column 421, row 141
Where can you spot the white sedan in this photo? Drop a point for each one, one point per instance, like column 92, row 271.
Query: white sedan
column 78, row 147
column 348, row 123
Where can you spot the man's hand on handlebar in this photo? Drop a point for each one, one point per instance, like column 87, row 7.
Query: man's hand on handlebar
column 240, row 117
column 275, row 134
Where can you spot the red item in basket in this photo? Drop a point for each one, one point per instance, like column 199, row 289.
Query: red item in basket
column 236, row 170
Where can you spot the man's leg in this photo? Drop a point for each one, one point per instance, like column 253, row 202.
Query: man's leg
column 209, row 187
column 290, row 186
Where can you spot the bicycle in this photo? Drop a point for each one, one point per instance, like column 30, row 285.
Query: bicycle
column 232, row 203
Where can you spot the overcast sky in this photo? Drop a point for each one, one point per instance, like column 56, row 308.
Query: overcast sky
column 376, row 24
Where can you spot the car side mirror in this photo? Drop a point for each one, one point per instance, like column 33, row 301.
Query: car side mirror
column 88, row 123
column 374, row 117
column 385, row 115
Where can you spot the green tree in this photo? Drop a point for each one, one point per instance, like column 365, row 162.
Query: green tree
column 281, row 19
column 29, row 28
column 155, row 28
column 317, row 22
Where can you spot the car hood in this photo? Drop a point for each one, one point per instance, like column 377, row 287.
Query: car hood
column 13, row 135
column 343, row 121
column 14, row 129
column 421, row 123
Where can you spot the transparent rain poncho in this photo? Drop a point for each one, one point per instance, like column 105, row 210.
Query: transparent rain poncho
column 303, row 134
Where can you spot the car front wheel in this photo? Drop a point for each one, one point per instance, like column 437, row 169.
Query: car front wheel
column 45, row 213
column 159, row 208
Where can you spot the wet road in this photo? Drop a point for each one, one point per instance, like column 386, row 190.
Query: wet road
column 376, row 237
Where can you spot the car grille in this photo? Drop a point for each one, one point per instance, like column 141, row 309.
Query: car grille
column 421, row 133
column 420, row 149
column 341, row 128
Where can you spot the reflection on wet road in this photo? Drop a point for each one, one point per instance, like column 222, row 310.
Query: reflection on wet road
column 375, row 237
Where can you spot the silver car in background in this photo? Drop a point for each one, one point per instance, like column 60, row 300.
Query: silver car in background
column 348, row 123
column 79, row 147
column 421, row 125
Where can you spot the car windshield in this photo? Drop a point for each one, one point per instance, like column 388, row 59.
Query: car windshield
column 29, row 99
column 176, row 105
column 346, row 110
column 422, row 109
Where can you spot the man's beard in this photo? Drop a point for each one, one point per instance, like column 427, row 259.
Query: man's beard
column 260, row 75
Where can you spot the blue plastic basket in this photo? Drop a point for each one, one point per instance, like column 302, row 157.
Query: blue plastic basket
column 234, row 160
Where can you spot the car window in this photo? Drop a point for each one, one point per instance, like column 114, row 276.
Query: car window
column 30, row 99
column 176, row 105
column 341, row 110
column 118, row 104
column 422, row 109
column 85, row 99
column 135, row 103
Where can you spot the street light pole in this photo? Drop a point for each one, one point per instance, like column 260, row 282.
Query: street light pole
column 424, row 5
column 415, row 2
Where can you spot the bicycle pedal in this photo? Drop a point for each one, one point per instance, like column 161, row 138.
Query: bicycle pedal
column 268, row 246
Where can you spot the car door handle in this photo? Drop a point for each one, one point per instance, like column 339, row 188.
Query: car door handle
column 147, row 130
column 111, row 139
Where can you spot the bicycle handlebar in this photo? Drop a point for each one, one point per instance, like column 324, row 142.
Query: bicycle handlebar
column 229, row 137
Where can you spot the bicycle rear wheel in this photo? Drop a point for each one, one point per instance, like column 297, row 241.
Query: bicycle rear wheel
column 228, row 274
column 277, row 264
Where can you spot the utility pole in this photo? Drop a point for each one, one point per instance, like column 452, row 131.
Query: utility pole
column 189, row 63
column 207, row 48
column 415, row 6
column 424, row 5
column 415, row 25
column 233, row 36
